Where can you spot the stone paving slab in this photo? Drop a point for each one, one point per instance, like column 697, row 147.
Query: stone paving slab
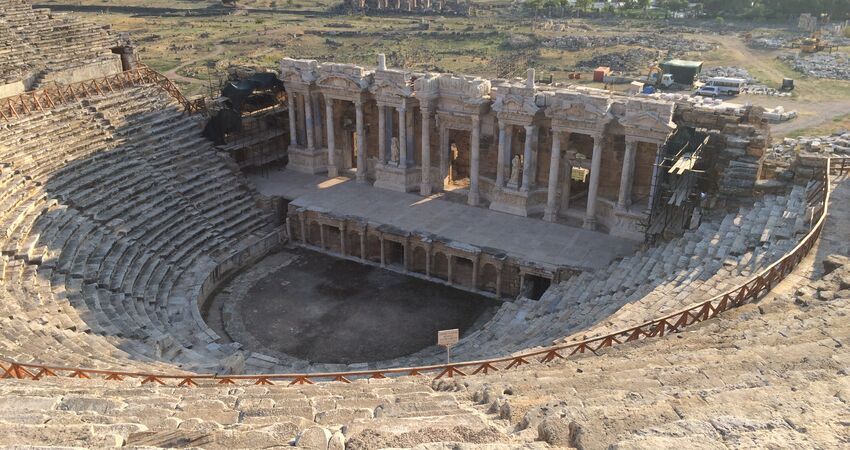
column 522, row 237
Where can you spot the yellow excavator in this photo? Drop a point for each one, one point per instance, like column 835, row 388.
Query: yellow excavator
column 814, row 43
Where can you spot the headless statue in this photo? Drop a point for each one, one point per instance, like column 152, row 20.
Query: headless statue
column 515, row 168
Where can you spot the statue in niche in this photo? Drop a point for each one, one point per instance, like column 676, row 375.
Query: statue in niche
column 394, row 151
column 516, row 163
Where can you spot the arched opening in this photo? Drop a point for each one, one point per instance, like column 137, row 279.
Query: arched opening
column 462, row 273
column 489, row 278
column 332, row 239
column 393, row 254
column 418, row 260
column 440, row 267
column 373, row 248
column 314, row 234
column 353, row 244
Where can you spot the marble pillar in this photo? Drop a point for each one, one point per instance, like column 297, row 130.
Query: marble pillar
column 527, row 159
column 308, row 122
column 402, row 137
column 475, row 155
column 361, row 143
column 293, row 132
column 593, row 189
column 627, row 175
column 551, row 212
column 382, row 134
column 500, row 158
column 425, row 185
column 333, row 168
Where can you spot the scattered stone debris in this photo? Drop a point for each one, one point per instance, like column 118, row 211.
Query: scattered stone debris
column 731, row 72
column 770, row 42
column 779, row 114
column 811, row 146
column 821, row 65
column 676, row 45
column 626, row 61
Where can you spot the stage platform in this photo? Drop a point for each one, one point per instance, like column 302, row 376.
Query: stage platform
column 528, row 238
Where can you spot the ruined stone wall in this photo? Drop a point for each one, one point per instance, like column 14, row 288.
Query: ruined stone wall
column 737, row 145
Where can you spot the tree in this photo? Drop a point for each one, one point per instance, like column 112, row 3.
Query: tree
column 582, row 5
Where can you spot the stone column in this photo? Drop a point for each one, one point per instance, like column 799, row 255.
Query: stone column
column 383, row 258
column 475, row 154
column 382, row 134
column 317, row 110
column 342, row 239
column 655, row 169
column 565, row 190
column 411, row 138
column 593, row 189
column 444, row 155
column 361, row 143
column 322, row 236
column 402, row 137
column 527, row 158
column 333, row 169
column 293, row 132
column 363, row 245
column 627, row 175
column 308, row 121
column 551, row 212
column 425, row 186
column 451, row 260
column 428, row 261
column 500, row 158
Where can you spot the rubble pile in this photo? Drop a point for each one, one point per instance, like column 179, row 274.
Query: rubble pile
column 676, row 45
column 810, row 146
column 731, row 72
column 778, row 114
column 821, row 65
column 626, row 61
column 770, row 42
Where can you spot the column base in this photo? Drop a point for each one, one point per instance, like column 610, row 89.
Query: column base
column 589, row 223
column 393, row 177
column 308, row 160
column 514, row 201
column 474, row 198
column 333, row 171
column 550, row 215
column 425, row 188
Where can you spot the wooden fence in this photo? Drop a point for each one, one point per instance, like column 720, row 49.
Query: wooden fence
column 14, row 107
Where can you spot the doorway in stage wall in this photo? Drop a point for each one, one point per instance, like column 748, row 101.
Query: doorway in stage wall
column 458, row 157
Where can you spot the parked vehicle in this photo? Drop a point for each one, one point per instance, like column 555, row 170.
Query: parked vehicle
column 727, row 86
column 708, row 91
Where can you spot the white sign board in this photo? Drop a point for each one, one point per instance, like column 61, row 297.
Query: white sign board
column 447, row 338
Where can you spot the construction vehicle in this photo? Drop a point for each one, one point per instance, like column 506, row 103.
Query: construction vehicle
column 813, row 44
column 787, row 85
column 656, row 77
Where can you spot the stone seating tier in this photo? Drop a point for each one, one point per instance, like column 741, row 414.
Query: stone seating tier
column 104, row 243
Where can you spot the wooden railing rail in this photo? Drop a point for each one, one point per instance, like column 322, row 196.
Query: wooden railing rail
column 671, row 323
column 20, row 105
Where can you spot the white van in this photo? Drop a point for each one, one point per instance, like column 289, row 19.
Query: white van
column 726, row 86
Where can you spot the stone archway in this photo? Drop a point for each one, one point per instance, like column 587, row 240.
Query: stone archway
column 488, row 281
column 314, row 234
column 440, row 266
column 373, row 248
column 353, row 243
column 418, row 260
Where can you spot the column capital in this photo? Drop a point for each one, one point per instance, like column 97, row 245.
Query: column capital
column 475, row 119
column 529, row 128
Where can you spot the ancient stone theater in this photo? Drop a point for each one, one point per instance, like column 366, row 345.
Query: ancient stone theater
column 345, row 256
